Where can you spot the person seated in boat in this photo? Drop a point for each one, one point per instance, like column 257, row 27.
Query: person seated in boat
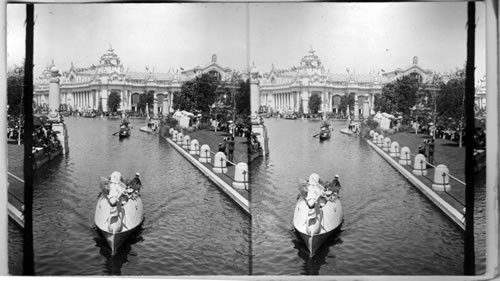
column 135, row 183
column 116, row 188
column 125, row 122
column 314, row 190
column 334, row 186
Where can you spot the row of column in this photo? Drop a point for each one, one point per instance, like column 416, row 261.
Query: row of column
column 84, row 99
column 291, row 101
column 286, row 101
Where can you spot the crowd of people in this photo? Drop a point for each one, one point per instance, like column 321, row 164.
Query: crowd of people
column 15, row 128
column 45, row 137
column 455, row 134
column 238, row 130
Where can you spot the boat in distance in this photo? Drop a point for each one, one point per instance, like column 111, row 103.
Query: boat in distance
column 119, row 211
column 325, row 134
column 325, row 131
column 151, row 127
column 318, row 214
column 124, row 131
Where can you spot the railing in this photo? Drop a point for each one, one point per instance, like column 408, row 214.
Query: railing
column 221, row 169
column 14, row 213
column 230, row 162
column 422, row 163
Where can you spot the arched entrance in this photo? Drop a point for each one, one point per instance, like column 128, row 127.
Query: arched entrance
column 336, row 104
column 135, row 101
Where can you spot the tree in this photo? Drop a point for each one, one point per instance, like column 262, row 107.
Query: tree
column 198, row 94
column 148, row 98
column 314, row 103
column 114, row 101
column 398, row 97
column 243, row 99
column 183, row 100
column 15, row 82
column 346, row 102
column 450, row 102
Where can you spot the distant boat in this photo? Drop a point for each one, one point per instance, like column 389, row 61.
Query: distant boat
column 317, row 216
column 117, row 217
column 325, row 134
column 124, row 131
column 348, row 132
column 151, row 127
column 325, row 131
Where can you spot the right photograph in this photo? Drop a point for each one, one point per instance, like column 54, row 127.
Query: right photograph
column 359, row 139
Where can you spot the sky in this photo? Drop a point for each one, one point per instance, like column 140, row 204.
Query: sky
column 363, row 37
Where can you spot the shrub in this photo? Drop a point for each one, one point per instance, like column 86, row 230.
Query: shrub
column 171, row 122
column 205, row 126
column 372, row 124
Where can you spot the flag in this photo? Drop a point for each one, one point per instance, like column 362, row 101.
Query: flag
column 382, row 70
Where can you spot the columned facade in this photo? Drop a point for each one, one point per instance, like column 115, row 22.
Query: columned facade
column 290, row 90
column 88, row 89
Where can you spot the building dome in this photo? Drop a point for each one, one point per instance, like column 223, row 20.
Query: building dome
column 110, row 58
column 310, row 60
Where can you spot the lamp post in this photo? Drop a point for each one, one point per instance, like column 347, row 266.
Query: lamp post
column 234, row 110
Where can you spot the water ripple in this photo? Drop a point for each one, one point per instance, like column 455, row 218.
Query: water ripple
column 191, row 227
column 389, row 227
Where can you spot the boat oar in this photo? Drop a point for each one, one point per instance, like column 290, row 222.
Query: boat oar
column 316, row 135
column 114, row 134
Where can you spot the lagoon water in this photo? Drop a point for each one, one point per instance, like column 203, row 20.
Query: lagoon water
column 389, row 227
column 190, row 227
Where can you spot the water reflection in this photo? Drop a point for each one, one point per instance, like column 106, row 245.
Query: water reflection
column 389, row 228
column 113, row 263
column 65, row 194
column 312, row 265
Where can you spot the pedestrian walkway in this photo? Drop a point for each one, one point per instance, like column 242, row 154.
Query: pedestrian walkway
column 232, row 179
column 447, row 153
column 213, row 139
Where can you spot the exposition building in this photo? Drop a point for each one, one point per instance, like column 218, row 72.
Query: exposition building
column 88, row 88
column 289, row 90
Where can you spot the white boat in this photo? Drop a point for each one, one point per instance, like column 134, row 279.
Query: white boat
column 317, row 216
column 118, row 215
column 348, row 132
column 151, row 127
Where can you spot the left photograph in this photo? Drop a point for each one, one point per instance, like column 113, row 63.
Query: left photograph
column 141, row 133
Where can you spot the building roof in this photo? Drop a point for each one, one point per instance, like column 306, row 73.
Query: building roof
column 311, row 68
